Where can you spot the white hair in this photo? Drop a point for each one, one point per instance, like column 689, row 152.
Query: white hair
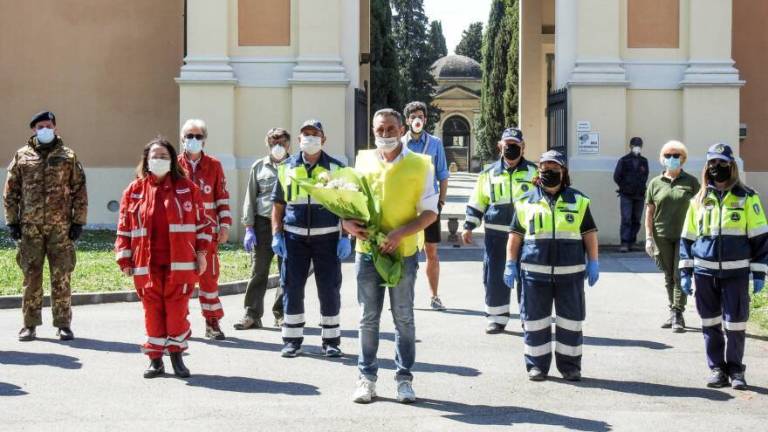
column 674, row 145
column 189, row 124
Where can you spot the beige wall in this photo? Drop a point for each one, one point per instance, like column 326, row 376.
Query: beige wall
column 109, row 80
column 750, row 50
column 653, row 23
column 264, row 22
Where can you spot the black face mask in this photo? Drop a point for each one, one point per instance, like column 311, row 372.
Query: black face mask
column 512, row 151
column 719, row 173
column 551, row 178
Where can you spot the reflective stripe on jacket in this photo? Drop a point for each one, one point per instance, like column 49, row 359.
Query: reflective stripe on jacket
column 209, row 178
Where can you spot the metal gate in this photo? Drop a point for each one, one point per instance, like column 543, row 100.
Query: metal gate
column 361, row 120
column 557, row 121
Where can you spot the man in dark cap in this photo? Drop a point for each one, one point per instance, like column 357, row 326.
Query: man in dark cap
column 46, row 204
column 631, row 175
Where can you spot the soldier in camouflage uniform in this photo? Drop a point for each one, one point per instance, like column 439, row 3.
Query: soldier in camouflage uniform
column 46, row 204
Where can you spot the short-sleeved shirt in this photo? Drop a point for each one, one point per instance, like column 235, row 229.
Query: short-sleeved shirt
column 587, row 224
column 431, row 146
column 671, row 199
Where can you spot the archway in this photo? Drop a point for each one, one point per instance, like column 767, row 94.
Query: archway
column 456, row 140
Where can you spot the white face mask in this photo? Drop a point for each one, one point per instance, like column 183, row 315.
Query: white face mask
column 193, row 145
column 159, row 167
column 311, row 145
column 636, row 150
column 278, row 152
column 417, row 125
column 387, row 144
column 45, row 135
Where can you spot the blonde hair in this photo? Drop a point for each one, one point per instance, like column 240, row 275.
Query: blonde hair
column 674, row 145
column 189, row 124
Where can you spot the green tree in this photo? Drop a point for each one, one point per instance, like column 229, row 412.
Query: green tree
column 409, row 28
column 386, row 87
column 471, row 44
column 436, row 42
column 512, row 86
column 496, row 42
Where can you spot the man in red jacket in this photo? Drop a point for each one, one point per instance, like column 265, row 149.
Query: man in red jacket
column 206, row 172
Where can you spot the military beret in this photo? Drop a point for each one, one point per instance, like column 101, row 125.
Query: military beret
column 42, row 116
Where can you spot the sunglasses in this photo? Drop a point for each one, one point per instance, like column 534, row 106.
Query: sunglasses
column 716, row 162
column 195, row 136
column 672, row 156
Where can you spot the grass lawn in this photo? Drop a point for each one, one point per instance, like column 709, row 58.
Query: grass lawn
column 96, row 269
column 759, row 310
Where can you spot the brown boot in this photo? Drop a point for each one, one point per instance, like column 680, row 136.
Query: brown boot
column 212, row 330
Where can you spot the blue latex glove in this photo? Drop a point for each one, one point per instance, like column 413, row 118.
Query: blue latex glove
column 758, row 285
column 343, row 248
column 250, row 241
column 278, row 245
column 593, row 272
column 686, row 284
column 510, row 273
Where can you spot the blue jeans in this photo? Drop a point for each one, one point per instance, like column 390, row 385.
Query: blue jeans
column 370, row 296
column 631, row 213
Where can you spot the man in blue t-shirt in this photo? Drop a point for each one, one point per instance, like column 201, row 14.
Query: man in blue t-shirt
column 420, row 141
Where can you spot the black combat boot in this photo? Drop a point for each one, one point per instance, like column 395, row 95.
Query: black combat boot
column 27, row 334
column 65, row 333
column 155, row 369
column 179, row 369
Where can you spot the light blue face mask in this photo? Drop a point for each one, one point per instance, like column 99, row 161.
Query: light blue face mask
column 193, row 145
column 672, row 163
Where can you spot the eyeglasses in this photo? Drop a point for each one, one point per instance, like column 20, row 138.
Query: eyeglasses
column 718, row 162
column 195, row 136
column 672, row 156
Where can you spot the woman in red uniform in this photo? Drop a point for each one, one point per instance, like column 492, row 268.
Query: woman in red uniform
column 162, row 241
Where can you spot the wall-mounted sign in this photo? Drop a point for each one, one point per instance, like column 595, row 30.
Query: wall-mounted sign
column 589, row 142
column 583, row 126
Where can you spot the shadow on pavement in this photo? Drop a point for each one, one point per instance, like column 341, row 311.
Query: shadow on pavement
column 97, row 345
column 233, row 342
column 7, row 389
column 649, row 389
column 459, row 255
column 349, row 334
column 419, row 367
column 251, row 385
column 39, row 359
column 630, row 343
column 484, row 415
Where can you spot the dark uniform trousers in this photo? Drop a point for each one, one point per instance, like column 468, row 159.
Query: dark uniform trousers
column 261, row 260
column 723, row 303
column 567, row 293
column 320, row 251
column 497, row 293
column 631, row 213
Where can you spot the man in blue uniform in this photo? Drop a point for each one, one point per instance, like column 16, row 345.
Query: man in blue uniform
column 305, row 233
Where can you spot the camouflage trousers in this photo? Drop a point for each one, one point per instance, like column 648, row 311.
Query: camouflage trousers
column 38, row 242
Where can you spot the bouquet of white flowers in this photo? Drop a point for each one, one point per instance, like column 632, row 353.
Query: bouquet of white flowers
column 347, row 195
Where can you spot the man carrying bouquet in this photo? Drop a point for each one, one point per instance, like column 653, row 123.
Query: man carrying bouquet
column 305, row 232
column 403, row 183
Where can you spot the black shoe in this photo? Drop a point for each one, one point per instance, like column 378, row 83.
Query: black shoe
column 717, row 379
column 738, row 382
column 65, row 333
column 668, row 323
column 624, row 248
column 572, row 375
column 155, row 369
column 535, row 374
column 331, row 350
column 678, row 323
column 27, row 334
column 179, row 369
column 291, row 350
column 494, row 328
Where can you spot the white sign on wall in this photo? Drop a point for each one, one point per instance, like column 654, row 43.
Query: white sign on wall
column 589, row 142
column 583, row 126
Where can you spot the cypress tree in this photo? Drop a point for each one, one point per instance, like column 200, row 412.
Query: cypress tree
column 437, row 41
column 512, row 86
column 471, row 44
column 385, row 74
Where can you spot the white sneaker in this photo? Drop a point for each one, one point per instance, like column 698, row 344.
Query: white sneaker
column 405, row 393
column 365, row 391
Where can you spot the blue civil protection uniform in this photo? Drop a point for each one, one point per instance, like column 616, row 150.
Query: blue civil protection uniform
column 552, row 265
column 311, row 237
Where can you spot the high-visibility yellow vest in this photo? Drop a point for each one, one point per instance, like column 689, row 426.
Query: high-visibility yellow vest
column 398, row 188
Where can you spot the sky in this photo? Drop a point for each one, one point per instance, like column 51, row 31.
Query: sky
column 456, row 16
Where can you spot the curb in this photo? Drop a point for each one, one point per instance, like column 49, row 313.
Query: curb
column 79, row 299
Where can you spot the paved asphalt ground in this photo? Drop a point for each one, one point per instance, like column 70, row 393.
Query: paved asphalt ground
column 637, row 376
